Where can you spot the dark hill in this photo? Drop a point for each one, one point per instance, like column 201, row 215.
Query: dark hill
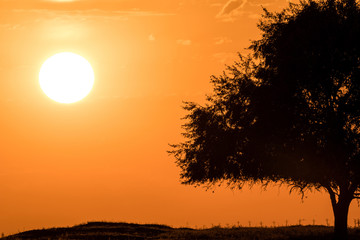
column 130, row 231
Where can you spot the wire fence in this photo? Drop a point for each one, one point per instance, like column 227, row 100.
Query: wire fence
column 354, row 223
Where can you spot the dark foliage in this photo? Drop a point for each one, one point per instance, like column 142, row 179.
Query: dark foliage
column 288, row 113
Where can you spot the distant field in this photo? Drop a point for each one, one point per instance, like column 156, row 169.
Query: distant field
column 129, row 231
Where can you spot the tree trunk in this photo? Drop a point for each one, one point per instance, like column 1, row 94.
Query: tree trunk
column 341, row 210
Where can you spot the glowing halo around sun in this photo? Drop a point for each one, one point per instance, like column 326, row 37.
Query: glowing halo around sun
column 66, row 77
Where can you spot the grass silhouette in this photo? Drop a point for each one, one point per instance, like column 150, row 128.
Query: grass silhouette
column 131, row 231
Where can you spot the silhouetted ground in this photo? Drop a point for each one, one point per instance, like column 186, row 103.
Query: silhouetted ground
column 128, row 231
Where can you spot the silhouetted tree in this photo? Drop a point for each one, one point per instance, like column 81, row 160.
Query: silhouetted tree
column 289, row 112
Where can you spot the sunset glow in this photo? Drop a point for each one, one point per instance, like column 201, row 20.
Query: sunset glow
column 91, row 96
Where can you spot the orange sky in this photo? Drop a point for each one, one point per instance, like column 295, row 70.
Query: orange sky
column 104, row 158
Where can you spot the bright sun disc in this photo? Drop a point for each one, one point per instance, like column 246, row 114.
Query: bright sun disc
column 66, row 77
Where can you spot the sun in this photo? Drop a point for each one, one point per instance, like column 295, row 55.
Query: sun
column 66, row 77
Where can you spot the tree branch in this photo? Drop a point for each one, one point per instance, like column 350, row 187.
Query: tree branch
column 353, row 187
column 332, row 195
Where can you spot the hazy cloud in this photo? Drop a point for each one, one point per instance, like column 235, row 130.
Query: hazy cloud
column 91, row 13
column 9, row 26
column 215, row 5
column 231, row 9
column 151, row 37
column 183, row 42
column 225, row 57
column 60, row 1
column 222, row 40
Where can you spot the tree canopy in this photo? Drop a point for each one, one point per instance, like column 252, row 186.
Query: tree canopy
column 289, row 112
